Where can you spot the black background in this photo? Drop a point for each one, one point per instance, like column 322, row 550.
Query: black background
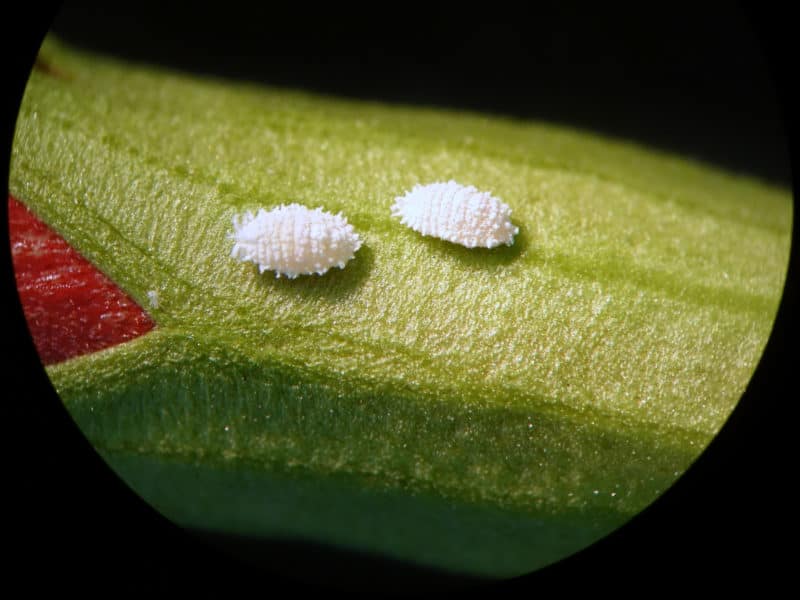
column 691, row 78
column 705, row 80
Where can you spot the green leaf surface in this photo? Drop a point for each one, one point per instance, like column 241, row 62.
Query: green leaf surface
column 482, row 411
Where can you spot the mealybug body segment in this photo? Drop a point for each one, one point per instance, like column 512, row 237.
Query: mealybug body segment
column 456, row 213
column 294, row 240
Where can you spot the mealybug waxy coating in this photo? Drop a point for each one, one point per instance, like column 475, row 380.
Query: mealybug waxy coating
column 456, row 213
column 294, row 240
column 152, row 296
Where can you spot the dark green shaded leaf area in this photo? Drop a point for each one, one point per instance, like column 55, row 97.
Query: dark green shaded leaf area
column 480, row 411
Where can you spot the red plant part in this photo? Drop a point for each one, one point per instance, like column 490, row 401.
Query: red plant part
column 71, row 307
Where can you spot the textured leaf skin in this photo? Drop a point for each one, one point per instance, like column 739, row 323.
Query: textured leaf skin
column 483, row 411
column 71, row 308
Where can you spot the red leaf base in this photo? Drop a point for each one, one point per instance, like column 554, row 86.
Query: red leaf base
column 71, row 307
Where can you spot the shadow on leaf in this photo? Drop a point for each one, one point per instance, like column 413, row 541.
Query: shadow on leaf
column 478, row 258
column 334, row 285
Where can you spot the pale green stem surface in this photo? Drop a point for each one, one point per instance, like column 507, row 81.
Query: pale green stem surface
column 485, row 411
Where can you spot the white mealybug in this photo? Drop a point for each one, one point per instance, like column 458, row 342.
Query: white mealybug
column 456, row 213
column 294, row 240
column 152, row 296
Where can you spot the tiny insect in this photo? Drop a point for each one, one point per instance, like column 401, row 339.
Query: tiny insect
column 152, row 296
column 456, row 213
column 294, row 240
